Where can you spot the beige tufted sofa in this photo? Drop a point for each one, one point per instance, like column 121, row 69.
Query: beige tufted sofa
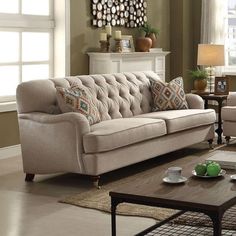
column 129, row 131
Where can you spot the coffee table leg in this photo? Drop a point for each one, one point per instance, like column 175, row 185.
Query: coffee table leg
column 114, row 204
column 217, row 223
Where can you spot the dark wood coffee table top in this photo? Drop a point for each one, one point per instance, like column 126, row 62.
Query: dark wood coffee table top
column 203, row 193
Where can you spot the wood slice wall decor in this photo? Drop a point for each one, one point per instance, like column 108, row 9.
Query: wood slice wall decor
column 127, row 13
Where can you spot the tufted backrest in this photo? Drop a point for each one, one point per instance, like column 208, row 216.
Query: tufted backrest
column 115, row 95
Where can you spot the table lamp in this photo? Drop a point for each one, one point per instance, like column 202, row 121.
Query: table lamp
column 211, row 55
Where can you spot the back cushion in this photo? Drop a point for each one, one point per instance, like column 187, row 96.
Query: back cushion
column 115, row 95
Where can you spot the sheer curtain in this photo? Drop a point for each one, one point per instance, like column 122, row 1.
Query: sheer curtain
column 213, row 24
column 214, row 27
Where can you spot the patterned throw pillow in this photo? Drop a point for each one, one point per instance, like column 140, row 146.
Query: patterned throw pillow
column 77, row 100
column 168, row 96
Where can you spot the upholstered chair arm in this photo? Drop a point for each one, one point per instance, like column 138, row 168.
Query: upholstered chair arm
column 194, row 101
column 52, row 143
column 231, row 99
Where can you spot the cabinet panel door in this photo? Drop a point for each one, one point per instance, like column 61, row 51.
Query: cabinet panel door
column 100, row 67
column 138, row 65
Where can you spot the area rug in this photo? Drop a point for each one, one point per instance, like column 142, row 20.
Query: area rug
column 200, row 219
column 100, row 200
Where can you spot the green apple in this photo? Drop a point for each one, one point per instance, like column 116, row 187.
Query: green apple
column 200, row 169
column 213, row 169
column 209, row 162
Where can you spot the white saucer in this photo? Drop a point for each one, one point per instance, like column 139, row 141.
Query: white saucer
column 182, row 179
column 233, row 177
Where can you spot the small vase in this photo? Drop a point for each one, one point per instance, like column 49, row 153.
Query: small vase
column 200, row 84
column 143, row 44
column 153, row 37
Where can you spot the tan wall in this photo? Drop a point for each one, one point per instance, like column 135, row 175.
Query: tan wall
column 232, row 83
column 9, row 133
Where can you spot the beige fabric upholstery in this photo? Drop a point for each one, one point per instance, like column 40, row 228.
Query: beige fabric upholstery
column 231, row 99
column 37, row 96
column 54, row 142
column 194, row 101
column 101, row 162
column 229, row 113
column 229, row 128
column 115, row 95
column 113, row 134
column 179, row 120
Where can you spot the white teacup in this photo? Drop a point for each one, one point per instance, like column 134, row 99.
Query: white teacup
column 174, row 173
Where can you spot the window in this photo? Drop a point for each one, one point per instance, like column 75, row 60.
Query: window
column 26, row 43
column 231, row 37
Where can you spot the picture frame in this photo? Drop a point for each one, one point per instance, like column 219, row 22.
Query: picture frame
column 221, row 86
column 127, row 43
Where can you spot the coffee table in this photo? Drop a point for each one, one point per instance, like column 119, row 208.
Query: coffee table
column 209, row 196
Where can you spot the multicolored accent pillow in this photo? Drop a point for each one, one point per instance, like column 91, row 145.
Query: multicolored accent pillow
column 77, row 100
column 168, row 96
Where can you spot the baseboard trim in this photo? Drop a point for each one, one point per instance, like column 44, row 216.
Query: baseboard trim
column 10, row 151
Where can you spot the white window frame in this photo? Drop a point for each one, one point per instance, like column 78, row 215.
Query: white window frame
column 28, row 23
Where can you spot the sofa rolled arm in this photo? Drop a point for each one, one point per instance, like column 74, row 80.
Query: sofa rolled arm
column 231, row 99
column 73, row 117
column 52, row 143
column 194, row 101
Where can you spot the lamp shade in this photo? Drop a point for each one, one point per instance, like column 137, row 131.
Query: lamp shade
column 211, row 55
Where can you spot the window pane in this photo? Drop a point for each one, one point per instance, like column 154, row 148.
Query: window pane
column 35, row 46
column 9, row 6
column 232, row 58
column 35, row 7
column 9, row 79
column 33, row 72
column 9, row 46
column 231, row 5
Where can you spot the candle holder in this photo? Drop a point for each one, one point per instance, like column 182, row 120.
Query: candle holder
column 108, row 42
column 103, row 45
column 118, row 47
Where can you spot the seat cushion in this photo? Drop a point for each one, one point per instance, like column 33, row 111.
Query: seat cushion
column 179, row 120
column 229, row 113
column 168, row 96
column 116, row 133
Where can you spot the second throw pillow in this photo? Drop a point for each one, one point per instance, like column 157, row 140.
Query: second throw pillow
column 168, row 96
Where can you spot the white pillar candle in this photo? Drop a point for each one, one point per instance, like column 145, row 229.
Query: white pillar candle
column 108, row 29
column 118, row 34
column 103, row 36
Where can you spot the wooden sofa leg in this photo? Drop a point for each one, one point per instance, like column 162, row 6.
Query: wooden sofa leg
column 210, row 141
column 95, row 180
column 227, row 138
column 29, row 177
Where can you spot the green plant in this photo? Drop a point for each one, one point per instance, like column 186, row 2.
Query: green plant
column 149, row 30
column 198, row 74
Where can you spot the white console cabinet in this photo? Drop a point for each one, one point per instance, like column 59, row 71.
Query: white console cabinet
column 105, row 63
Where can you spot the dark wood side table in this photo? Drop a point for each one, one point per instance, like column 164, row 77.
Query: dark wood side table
column 219, row 99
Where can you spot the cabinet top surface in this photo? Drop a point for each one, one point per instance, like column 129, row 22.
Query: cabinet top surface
column 159, row 52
